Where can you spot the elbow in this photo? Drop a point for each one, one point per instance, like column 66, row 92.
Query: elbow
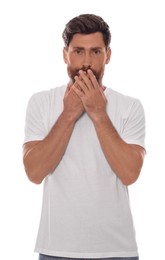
column 34, row 179
column 132, row 172
column 31, row 172
column 129, row 180
column 33, row 176
column 130, row 177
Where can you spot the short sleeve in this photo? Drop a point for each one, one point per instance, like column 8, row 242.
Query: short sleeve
column 35, row 127
column 134, row 126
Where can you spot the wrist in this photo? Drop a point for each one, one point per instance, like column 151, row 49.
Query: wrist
column 99, row 118
column 70, row 117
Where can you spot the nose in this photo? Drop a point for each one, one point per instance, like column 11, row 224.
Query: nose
column 87, row 61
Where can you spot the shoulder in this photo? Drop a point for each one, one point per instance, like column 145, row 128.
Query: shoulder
column 45, row 96
column 111, row 93
column 121, row 100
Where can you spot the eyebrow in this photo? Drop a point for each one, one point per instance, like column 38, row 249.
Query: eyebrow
column 93, row 48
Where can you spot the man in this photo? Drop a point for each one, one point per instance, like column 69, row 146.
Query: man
column 86, row 141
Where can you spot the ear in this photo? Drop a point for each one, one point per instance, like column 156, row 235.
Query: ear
column 108, row 55
column 65, row 54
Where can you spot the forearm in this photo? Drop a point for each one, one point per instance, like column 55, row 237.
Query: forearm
column 125, row 159
column 42, row 158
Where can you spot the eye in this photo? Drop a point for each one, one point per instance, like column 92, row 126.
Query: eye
column 78, row 51
column 96, row 51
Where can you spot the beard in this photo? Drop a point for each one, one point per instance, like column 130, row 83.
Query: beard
column 75, row 72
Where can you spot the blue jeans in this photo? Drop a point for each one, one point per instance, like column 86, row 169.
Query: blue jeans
column 47, row 257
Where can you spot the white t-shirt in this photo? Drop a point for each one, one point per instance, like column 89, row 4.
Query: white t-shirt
column 86, row 209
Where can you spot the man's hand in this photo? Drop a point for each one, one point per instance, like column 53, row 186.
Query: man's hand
column 73, row 105
column 91, row 94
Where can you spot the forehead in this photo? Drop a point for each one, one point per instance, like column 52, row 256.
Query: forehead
column 92, row 40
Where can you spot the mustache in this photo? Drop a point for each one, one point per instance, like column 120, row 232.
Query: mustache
column 85, row 69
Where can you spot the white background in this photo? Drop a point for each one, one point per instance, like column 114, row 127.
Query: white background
column 31, row 60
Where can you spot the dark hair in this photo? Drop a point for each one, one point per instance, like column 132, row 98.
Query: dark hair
column 86, row 24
